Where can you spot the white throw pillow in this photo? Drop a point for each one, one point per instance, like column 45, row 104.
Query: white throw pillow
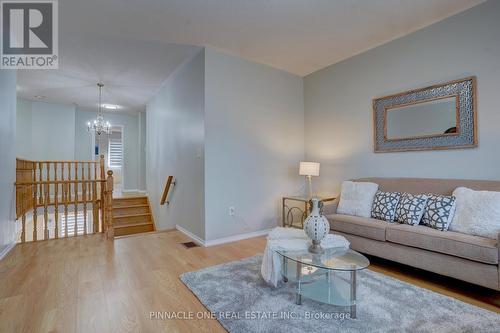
column 477, row 212
column 356, row 198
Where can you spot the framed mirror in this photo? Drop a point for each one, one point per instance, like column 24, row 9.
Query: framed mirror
column 437, row 117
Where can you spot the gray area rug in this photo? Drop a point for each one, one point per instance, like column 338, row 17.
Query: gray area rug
column 242, row 302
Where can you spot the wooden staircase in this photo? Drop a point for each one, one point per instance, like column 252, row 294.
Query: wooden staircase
column 132, row 215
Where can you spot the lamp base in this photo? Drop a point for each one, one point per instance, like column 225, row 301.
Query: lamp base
column 316, row 248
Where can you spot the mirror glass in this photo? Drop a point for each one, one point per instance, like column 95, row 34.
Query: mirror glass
column 429, row 118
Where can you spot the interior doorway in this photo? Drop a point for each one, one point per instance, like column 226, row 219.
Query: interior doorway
column 112, row 147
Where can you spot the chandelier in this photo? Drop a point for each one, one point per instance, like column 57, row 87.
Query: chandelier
column 99, row 126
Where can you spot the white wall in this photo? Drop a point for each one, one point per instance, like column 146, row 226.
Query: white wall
column 23, row 129
column 254, row 141
column 7, row 158
column 338, row 112
column 84, row 144
column 175, row 134
column 40, row 127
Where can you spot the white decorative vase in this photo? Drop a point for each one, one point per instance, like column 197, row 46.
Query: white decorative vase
column 316, row 227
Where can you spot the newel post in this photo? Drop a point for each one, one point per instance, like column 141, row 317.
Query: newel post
column 103, row 202
column 102, row 167
column 109, row 206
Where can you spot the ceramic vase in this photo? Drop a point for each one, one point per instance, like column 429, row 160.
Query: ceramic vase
column 316, row 227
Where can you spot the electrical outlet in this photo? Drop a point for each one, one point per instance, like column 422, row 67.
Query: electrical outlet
column 232, row 211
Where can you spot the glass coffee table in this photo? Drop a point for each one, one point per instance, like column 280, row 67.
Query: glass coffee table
column 329, row 277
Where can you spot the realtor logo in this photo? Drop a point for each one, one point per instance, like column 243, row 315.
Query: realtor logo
column 29, row 32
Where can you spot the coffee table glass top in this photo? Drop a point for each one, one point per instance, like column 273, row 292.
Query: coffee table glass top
column 329, row 277
column 339, row 259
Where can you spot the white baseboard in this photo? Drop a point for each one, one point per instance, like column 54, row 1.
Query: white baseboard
column 6, row 250
column 131, row 191
column 195, row 238
column 223, row 240
column 238, row 237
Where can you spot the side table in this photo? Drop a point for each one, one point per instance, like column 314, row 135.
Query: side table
column 287, row 211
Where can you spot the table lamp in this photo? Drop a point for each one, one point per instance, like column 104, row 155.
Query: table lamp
column 309, row 169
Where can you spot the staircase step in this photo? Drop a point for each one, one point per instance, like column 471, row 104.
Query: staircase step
column 133, row 228
column 130, row 210
column 131, row 219
column 131, row 201
column 132, row 215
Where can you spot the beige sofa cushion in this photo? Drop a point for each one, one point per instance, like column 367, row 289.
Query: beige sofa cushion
column 448, row 242
column 361, row 226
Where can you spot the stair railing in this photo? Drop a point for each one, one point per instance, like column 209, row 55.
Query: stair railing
column 170, row 183
column 66, row 190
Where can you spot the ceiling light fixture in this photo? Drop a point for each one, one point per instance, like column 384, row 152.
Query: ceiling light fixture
column 99, row 126
column 110, row 106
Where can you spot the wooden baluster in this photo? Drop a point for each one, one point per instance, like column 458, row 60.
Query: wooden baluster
column 95, row 209
column 95, row 170
column 46, row 199
column 35, row 205
column 109, row 205
column 84, row 199
column 56, row 202
column 89, row 184
column 65, row 200
column 23, row 219
column 47, row 178
column 102, row 199
column 46, row 212
column 69, row 178
column 76, row 199
column 32, row 188
column 40, row 167
column 89, row 192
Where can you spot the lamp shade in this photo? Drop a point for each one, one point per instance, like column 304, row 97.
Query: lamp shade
column 309, row 169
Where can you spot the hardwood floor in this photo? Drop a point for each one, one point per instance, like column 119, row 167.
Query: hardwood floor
column 86, row 284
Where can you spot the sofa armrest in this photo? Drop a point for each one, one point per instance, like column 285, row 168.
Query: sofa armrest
column 330, row 207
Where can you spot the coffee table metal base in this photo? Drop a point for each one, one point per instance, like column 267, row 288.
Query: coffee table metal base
column 330, row 283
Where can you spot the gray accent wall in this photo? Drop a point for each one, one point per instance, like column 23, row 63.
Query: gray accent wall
column 254, row 143
column 175, row 135
column 231, row 132
column 7, row 159
column 338, row 101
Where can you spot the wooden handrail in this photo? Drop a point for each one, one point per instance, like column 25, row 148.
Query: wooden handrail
column 170, row 182
column 74, row 181
column 58, row 161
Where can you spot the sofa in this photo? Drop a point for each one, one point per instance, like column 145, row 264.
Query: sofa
column 465, row 257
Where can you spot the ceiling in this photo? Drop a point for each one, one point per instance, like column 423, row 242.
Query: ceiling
column 133, row 45
column 132, row 71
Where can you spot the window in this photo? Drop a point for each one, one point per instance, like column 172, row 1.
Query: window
column 70, row 222
column 115, row 150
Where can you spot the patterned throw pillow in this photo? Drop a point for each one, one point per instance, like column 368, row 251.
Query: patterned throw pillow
column 384, row 205
column 439, row 211
column 411, row 208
